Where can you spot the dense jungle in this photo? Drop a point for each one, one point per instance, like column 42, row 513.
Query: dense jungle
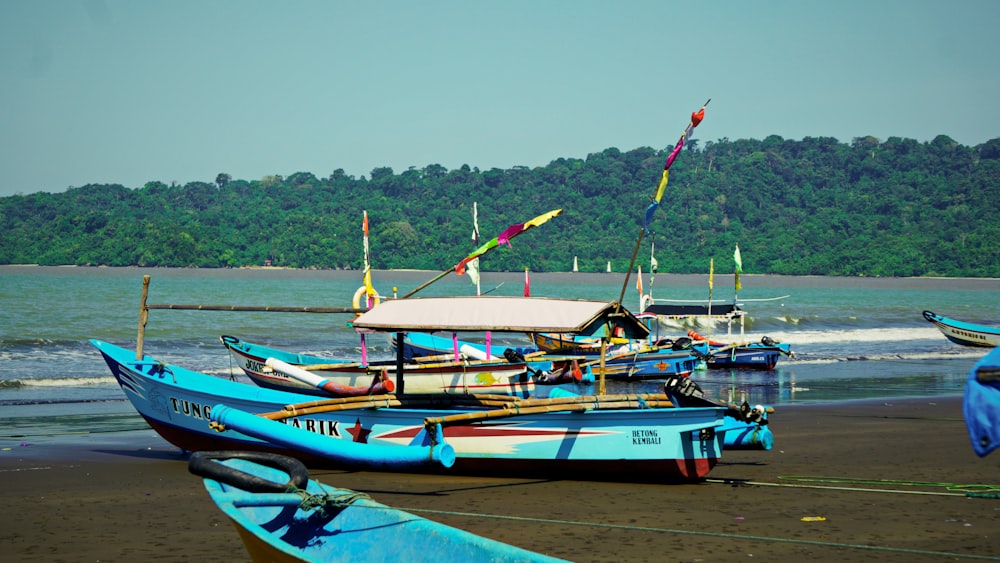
column 815, row 206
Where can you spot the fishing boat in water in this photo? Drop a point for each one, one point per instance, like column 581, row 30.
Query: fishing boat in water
column 965, row 333
column 282, row 515
column 665, row 316
column 742, row 354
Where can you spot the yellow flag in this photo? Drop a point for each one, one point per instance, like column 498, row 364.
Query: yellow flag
column 711, row 276
column 739, row 266
column 662, row 186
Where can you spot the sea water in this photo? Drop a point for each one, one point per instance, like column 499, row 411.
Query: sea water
column 853, row 338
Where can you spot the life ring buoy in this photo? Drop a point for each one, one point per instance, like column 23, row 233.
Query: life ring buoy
column 207, row 464
column 356, row 301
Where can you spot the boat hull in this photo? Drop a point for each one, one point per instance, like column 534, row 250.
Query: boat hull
column 665, row 444
column 337, row 524
column 751, row 356
column 966, row 334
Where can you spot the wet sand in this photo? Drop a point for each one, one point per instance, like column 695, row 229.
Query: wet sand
column 876, row 473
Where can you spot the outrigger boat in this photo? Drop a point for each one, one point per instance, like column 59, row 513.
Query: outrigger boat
column 624, row 359
column 631, row 436
column 282, row 515
column 966, row 334
column 269, row 367
column 627, row 358
column 666, row 315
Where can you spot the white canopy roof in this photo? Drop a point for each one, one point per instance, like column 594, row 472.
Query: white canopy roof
column 500, row 314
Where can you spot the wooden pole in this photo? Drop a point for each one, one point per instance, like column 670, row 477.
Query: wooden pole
column 257, row 308
column 604, row 350
column 400, row 360
column 143, row 318
column 427, row 283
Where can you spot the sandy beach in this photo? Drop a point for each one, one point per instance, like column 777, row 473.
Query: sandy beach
column 860, row 481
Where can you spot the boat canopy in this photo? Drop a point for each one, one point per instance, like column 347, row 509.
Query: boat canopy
column 499, row 314
column 720, row 310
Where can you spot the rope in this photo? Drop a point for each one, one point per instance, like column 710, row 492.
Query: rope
column 709, row 534
column 972, row 491
column 328, row 504
column 969, row 489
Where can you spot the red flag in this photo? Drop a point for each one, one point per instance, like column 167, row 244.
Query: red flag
column 527, row 284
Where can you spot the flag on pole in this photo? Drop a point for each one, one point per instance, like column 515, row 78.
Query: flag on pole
column 473, row 266
column 739, row 266
column 711, row 277
column 696, row 118
column 367, row 276
column 527, row 284
column 638, row 281
column 504, row 238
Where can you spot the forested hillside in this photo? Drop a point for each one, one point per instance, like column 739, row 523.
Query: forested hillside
column 897, row 207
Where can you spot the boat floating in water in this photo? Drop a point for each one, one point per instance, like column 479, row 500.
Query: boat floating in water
column 966, row 334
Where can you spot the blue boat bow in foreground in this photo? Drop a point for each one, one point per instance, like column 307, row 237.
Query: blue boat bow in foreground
column 282, row 515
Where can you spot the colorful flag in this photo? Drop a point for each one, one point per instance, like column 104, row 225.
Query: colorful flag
column 504, row 238
column 367, row 277
column 739, row 266
column 638, row 281
column 696, row 118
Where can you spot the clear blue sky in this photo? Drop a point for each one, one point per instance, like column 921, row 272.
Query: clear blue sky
column 131, row 91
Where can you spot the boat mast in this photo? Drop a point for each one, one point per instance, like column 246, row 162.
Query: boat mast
column 696, row 118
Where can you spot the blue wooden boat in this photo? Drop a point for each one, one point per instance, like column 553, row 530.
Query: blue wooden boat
column 966, row 334
column 585, row 439
column 743, row 355
column 605, row 436
column 282, row 515
column 981, row 404
column 626, row 358
column 737, row 353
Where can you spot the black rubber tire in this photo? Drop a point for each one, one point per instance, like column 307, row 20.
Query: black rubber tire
column 206, row 464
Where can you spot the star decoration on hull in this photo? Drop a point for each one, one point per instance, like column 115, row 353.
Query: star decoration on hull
column 359, row 432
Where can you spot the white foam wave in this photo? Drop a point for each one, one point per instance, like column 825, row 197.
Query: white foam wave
column 68, row 382
column 869, row 335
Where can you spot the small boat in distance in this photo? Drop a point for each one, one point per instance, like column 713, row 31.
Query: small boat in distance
column 283, row 515
column 966, row 334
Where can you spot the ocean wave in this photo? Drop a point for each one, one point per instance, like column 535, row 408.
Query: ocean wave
column 57, row 382
column 971, row 354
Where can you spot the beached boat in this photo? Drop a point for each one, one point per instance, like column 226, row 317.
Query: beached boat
column 964, row 333
column 626, row 358
column 343, row 378
column 283, row 515
column 636, row 436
